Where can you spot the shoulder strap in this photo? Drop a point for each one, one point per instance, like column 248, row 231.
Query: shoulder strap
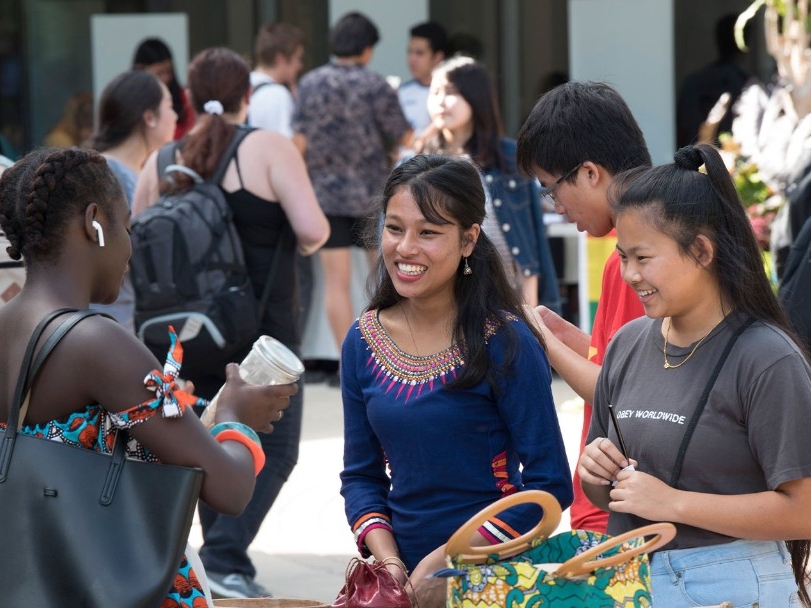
column 28, row 372
column 274, row 267
column 239, row 134
column 264, row 84
column 22, row 377
column 166, row 157
column 46, row 349
column 691, row 426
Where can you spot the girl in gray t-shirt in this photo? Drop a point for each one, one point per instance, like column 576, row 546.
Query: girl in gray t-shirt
column 741, row 495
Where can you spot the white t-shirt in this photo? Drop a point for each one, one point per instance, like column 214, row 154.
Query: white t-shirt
column 271, row 105
column 414, row 102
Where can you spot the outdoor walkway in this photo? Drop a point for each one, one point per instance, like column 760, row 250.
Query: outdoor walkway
column 305, row 543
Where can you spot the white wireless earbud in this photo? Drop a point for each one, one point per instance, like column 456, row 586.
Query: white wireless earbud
column 99, row 232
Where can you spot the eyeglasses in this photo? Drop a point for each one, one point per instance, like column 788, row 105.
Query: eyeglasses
column 547, row 192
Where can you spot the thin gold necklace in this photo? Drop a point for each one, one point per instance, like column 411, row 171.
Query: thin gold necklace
column 692, row 352
column 413, row 341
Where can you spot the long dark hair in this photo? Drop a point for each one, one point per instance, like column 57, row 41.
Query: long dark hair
column 155, row 50
column 684, row 203
column 475, row 86
column 216, row 74
column 449, row 190
column 122, row 105
column 579, row 121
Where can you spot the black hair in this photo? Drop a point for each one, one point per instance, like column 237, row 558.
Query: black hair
column 475, row 86
column 683, row 203
column 42, row 192
column 580, row 121
column 434, row 33
column 122, row 105
column 155, row 50
column 448, row 190
column 352, row 34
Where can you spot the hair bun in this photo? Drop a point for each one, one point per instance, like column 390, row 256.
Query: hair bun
column 688, row 158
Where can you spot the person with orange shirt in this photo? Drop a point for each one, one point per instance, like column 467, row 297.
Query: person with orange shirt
column 577, row 138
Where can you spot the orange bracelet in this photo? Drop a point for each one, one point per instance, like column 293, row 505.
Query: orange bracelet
column 231, row 434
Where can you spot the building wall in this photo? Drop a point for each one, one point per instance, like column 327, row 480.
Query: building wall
column 644, row 47
column 608, row 42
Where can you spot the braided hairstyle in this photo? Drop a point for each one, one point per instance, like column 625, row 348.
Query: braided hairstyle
column 43, row 191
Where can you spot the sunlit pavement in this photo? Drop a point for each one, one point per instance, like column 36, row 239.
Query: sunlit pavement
column 304, row 545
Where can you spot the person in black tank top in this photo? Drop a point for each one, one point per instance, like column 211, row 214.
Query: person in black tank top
column 275, row 211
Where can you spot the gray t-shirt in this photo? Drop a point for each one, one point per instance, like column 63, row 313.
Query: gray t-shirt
column 752, row 436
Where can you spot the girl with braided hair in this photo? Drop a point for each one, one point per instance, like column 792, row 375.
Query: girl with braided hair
column 711, row 391
column 66, row 215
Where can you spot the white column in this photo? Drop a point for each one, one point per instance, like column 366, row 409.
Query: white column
column 629, row 44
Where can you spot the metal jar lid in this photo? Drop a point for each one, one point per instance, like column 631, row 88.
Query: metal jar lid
column 287, row 364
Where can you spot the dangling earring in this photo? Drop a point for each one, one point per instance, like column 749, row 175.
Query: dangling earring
column 467, row 270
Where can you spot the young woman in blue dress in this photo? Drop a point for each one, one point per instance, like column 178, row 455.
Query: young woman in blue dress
column 446, row 388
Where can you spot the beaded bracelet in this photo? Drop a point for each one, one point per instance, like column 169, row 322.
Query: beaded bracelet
column 236, row 431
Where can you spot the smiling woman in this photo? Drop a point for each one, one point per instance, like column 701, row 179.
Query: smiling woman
column 722, row 454
column 442, row 352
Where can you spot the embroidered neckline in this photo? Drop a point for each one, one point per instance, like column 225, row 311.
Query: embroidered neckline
column 394, row 366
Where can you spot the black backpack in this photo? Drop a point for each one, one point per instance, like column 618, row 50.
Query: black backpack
column 188, row 269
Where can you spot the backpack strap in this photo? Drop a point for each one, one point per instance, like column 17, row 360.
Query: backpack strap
column 274, row 268
column 262, row 85
column 166, row 157
column 239, row 134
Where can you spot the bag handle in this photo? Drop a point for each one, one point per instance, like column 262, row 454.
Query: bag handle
column 28, row 373
column 459, row 547
column 583, row 563
column 25, row 366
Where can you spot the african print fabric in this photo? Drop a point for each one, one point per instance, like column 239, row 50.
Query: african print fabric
column 95, row 428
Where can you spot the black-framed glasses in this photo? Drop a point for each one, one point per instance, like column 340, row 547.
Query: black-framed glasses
column 547, row 192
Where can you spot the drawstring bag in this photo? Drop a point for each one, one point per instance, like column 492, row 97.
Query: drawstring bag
column 574, row 569
column 370, row 585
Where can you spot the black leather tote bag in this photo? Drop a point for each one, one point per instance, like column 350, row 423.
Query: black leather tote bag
column 84, row 529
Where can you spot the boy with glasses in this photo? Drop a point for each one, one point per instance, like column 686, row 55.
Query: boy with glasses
column 576, row 139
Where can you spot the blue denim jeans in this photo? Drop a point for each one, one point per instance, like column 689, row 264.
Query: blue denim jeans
column 747, row 573
column 226, row 539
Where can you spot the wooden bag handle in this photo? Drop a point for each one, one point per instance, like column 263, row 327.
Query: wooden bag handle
column 459, row 547
column 580, row 564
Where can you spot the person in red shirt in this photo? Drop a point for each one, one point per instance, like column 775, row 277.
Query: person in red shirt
column 577, row 138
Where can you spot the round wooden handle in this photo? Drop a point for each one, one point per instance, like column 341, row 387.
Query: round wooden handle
column 459, row 547
column 662, row 533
